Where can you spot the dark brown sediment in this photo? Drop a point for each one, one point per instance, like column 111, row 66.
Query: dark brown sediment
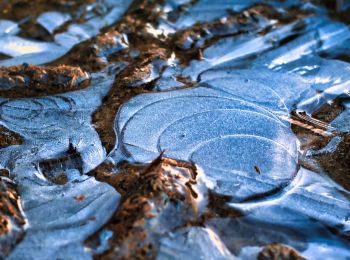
column 33, row 81
column 11, row 218
column 8, row 137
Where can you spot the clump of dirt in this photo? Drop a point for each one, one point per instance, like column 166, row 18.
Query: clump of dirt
column 8, row 137
column 11, row 218
column 4, row 173
column 156, row 199
column 279, row 251
column 32, row 81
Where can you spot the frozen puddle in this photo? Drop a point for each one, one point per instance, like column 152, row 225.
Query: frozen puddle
column 239, row 140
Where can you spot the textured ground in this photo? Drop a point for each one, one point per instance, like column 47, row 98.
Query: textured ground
column 174, row 129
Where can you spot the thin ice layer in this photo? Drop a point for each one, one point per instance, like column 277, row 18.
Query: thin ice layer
column 60, row 217
column 38, row 52
column 194, row 242
column 207, row 10
column 218, row 128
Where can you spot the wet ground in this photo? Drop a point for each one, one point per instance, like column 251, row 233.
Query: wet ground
column 174, row 129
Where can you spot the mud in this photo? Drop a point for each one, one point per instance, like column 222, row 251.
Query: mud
column 19, row 9
column 278, row 251
column 8, row 137
column 314, row 135
column 55, row 169
column 31, row 81
column 11, row 218
column 337, row 163
column 151, row 194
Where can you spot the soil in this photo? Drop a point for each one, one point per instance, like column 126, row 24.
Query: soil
column 150, row 195
column 8, row 137
column 33, row 81
column 279, row 251
column 313, row 136
column 19, row 9
column 11, row 218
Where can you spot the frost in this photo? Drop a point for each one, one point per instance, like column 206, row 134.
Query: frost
column 219, row 127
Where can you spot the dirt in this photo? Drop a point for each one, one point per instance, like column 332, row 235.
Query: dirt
column 8, row 137
column 19, row 9
column 151, row 194
column 11, row 218
column 314, row 136
column 337, row 163
column 279, row 252
column 32, row 81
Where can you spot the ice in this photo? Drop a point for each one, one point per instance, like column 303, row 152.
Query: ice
column 60, row 217
column 52, row 235
column 195, row 242
column 39, row 52
column 8, row 27
column 228, row 112
column 245, row 236
column 236, row 49
column 219, row 127
column 322, row 38
column 53, row 20
column 15, row 46
column 206, row 10
column 310, row 194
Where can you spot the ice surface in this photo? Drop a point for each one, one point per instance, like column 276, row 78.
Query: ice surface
column 38, row 52
column 220, row 127
column 193, row 243
column 53, row 20
column 60, row 217
column 8, row 27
